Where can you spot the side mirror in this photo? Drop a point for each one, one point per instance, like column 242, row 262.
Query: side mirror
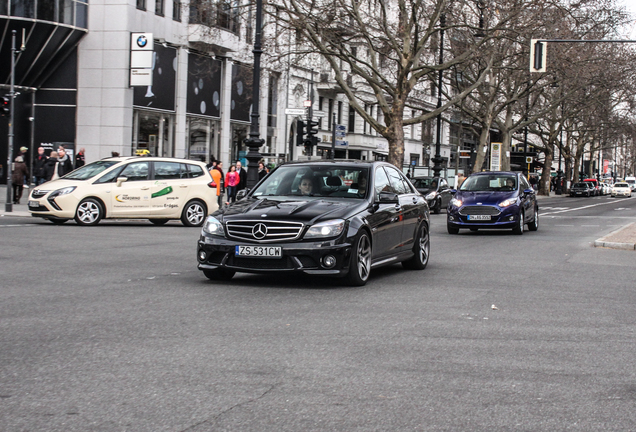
column 388, row 197
column 528, row 191
column 242, row 194
column 453, row 191
column 120, row 180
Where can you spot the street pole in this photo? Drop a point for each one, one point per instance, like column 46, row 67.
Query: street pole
column 309, row 147
column 254, row 142
column 333, row 136
column 8, row 206
column 559, row 186
column 437, row 160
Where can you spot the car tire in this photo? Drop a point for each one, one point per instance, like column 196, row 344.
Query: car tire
column 534, row 225
column 518, row 229
column 421, row 250
column 194, row 214
column 57, row 221
column 452, row 229
column 437, row 208
column 219, row 274
column 360, row 264
column 159, row 221
column 89, row 212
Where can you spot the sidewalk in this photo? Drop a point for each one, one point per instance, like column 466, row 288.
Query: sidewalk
column 623, row 238
column 19, row 210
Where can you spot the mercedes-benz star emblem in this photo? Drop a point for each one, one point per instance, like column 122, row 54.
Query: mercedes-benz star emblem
column 259, row 231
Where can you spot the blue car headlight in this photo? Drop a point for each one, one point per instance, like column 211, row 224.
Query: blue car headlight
column 213, row 227
column 332, row 228
column 508, row 202
column 456, row 202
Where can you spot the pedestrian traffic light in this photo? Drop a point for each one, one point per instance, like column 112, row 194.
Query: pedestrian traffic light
column 6, row 106
column 538, row 55
column 300, row 132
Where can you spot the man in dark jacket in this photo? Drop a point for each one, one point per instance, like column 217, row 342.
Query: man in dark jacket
column 20, row 171
column 80, row 160
column 242, row 176
column 65, row 165
column 38, row 167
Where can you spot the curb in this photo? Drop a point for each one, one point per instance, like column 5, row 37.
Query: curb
column 616, row 245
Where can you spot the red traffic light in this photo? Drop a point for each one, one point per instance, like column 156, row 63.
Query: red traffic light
column 6, row 105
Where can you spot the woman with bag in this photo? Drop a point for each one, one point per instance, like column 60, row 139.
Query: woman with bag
column 232, row 180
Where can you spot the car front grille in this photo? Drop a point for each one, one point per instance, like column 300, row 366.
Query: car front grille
column 264, row 231
column 479, row 210
column 38, row 193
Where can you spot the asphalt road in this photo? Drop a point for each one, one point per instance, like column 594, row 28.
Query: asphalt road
column 112, row 328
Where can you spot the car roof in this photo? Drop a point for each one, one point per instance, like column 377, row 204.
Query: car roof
column 341, row 162
column 494, row 173
column 152, row 158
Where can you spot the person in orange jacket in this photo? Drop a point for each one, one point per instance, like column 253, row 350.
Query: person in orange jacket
column 217, row 176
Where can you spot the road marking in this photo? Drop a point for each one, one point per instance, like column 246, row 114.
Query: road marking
column 590, row 225
column 565, row 225
column 584, row 207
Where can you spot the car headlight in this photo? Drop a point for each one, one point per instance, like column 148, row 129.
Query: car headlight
column 456, row 202
column 431, row 196
column 212, row 226
column 63, row 191
column 508, row 202
column 330, row 228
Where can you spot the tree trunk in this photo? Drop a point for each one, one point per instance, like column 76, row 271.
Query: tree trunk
column 483, row 144
column 544, row 184
column 396, row 144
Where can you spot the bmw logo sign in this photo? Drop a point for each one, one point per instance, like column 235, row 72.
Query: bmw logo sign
column 142, row 41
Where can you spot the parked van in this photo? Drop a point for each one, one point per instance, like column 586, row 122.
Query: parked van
column 632, row 182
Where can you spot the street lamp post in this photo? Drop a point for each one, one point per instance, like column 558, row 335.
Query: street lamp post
column 254, row 142
column 559, row 186
column 437, row 159
column 8, row 206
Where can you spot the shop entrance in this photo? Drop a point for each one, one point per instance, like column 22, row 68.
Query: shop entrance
column 154, row 132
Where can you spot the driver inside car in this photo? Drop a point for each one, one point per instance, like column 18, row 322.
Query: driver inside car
column 305, row 187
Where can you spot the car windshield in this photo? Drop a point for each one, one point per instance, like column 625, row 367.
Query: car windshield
column 315, row 181
column 621, row 185
column 424, row 183
column 580, row 185
column 89, row 171
column 494, row 182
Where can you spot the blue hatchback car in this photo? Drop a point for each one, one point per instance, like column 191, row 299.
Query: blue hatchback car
column 494, row 200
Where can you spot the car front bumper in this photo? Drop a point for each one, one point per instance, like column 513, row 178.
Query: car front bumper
column 507, row 218
column 303, row 257
column 61, row 207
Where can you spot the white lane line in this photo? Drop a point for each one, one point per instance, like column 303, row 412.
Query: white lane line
column 584, row 207
column 564, row 225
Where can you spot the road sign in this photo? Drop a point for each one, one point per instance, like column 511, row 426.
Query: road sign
column 307, row 103
column 529, row 159
column 342, row 144
column 464, row 154
column 295, row 111
column 319, row 114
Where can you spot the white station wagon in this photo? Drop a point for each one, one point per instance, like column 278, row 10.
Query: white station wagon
column 158, row 189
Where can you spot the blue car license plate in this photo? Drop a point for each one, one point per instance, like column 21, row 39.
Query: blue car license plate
column 259, row 251
column 479, row 217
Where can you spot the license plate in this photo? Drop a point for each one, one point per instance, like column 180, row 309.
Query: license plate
column 478, row 217
column 34, row 204
column 259, row 251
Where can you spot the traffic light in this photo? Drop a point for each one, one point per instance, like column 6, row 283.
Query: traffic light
column 538, row 55
column 312, row 128
column 300, row 132
column 6, row 106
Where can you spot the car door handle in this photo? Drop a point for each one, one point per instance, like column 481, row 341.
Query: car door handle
column 145, row 188
column 415, row 200
column 398, row 207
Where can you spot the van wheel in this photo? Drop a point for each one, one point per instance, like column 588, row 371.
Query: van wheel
column 194, row 214
column 89, row 212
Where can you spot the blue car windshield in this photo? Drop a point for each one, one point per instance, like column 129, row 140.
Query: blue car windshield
column 490, row 183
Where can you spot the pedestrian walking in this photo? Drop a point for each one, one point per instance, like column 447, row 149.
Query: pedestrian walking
column 65, row 165
column 50, row 167
column 39, row 173
column 460, row 179
column 242, row 175
column 80, row 159
column 20, row 170
column 232, row 180
column 219, row 168
column 217, row 177
column 262, row 171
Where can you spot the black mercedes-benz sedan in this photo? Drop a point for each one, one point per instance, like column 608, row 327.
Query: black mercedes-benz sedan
column 333, row 218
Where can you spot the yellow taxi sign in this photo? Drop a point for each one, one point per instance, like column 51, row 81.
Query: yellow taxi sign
column 142, row 152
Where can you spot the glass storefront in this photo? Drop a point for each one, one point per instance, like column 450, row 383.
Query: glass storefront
column 203, row 142
column 153, row 131
column 240, row 132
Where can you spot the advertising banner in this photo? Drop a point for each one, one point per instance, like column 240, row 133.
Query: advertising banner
column 495, row 156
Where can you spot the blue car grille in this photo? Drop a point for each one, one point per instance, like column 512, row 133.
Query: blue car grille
column 479, row 210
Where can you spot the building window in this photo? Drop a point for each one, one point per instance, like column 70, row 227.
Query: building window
column 222, row 14
column 339, row 112
column 352, row 119
column 141, row 4
column 176, row 10
column 272, row 102
column 159, row 7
